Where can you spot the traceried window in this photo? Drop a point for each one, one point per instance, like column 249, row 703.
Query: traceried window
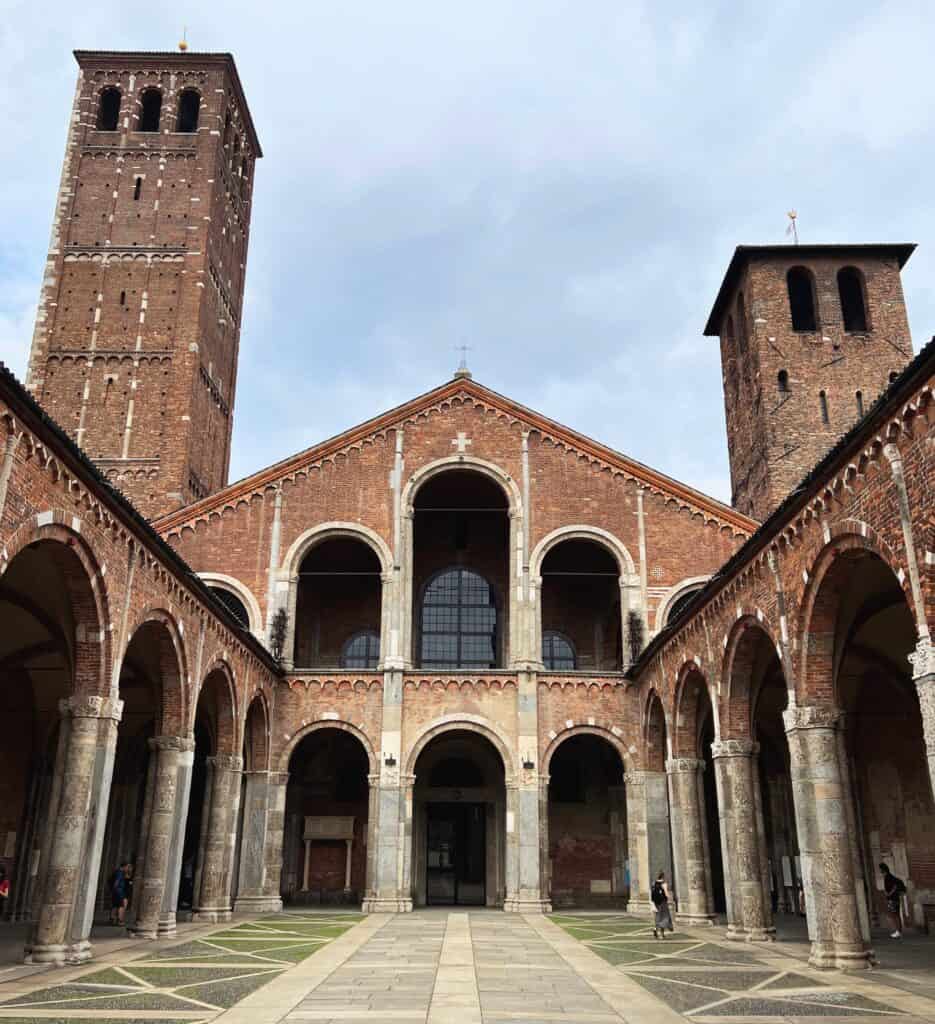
column 362, row 650
column 558, row 653
column 108, row 112
column 459, row 622
column 801, row 300
column 189, row 105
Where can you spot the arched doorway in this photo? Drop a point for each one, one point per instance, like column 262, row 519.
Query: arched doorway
column 581, row 624
column 338, row 606
column 327, row 817
column 461, row 541
column 587, row 823
column 458, row 825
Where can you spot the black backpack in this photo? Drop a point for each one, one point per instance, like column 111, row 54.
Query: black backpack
column 657, row 894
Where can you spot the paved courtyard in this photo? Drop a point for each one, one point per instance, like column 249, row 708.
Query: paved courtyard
column 440, row 966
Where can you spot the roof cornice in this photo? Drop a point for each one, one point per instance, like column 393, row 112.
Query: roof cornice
column 643, row 474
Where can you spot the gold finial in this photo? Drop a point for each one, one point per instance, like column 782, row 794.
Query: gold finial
column 792, row 229
column 183, row 42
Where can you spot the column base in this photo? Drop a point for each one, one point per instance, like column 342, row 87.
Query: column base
column 737, row 933
column 690, row 920
column 527, row 905
column 60, row 954
column 258, row 905
column 827, row 958
column 387, row 905
column 211, row 915
column 166, row 926
column 642, row 908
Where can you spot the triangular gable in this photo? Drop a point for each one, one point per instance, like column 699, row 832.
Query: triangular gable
column 470, row 390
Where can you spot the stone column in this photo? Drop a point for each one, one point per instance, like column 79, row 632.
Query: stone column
column 165, row 814
column 212, row 898
column 545, row 866
column 647, row 834
column 275, row 829
column 749, row 913
column 692, row 879
column 824, row 844
column 77, row 818
column 253, row 896
column 923, row 675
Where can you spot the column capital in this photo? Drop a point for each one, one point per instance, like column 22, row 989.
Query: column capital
column 734, row 748
column 80, row 706
column 810, row 717
column 923, row 660
column 181, row 743
column 684, row 765
column 638, row 776
column 226, row 762
column 278, row 778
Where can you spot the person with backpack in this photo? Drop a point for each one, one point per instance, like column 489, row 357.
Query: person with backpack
column 659, row 894
column 119, row 893
column 893, row 889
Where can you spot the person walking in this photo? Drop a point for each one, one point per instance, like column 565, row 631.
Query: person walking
column 660, row 897
column 893, row 889
column 119, row 893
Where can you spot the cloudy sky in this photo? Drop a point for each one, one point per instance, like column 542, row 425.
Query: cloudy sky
column 557, row 185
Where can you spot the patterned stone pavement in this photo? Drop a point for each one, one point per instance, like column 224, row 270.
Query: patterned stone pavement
column 460, row 967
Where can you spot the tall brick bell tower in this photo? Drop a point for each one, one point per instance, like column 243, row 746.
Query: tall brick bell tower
column 137, row 334
column 810, row 337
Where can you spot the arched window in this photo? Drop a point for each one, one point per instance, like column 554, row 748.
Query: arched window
column 235, row 153
column 459, row 622
column 741, row 323
column 893, row 376
column 137, row 188
column 851, row 293
column 189, row 105
column 362, row 650
column 782, row 379
column 233, row 604
column 558, row 654
column 823, row 402
column 679, row 603
column 150, row 109
column 227, row 129
column 108, row 111
column 860, row 403
column 801, row 300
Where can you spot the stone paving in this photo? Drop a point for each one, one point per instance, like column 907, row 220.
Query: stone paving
column 477, row 967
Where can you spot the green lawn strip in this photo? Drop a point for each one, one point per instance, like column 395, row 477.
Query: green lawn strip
column 138, row 1000
column 226, row 993
column 109, row 976
column 177, row 977
column 619, row 955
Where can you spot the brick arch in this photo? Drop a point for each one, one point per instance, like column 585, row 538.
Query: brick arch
column 256, row 730
column 87, row 591
column 603, row 538
column 463, row 723
column 691, row 685
column 242, row 592
column 815, row 683
column 286, row 753
column 311, row 538
column 655, row 750
column 601, row 732
column 466, row 462
column 737, row 707
column 225, row 688
column 173, row 663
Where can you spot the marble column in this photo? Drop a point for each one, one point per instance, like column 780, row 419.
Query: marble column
column 743, row 842
column 647, row 834
column 75, row 833
column 162, row 836
column 692, row 879
column 819, row 794
column 252, row 892
column 923, row 675
column 213, row 893
column 275, row 832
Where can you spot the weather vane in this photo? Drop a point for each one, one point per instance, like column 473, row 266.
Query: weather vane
column 792, row 229
column 463, row 370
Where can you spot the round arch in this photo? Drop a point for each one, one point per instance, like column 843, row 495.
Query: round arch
column 464, row 462
column 172, row 722
column 311, row 538
column 655, row 748
column 739, row 654
column 240, row 591
column 285, row 755
column 88, row 595
column 580, row 532
column 466, row 723
column 585, row 730
column 256, row 733
column 683, row 587
column 689, row 672
column 227, row 738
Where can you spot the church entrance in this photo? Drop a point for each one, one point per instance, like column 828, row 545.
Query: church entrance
column 456, row 872
column 459, row 823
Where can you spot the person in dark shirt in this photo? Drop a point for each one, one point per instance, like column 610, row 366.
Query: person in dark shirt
column 893, row 889
column 119, row 893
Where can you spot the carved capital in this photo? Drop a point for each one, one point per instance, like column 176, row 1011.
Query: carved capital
column 91, row 707
column 636, row 777
column 279, row 778
column 179, row 743
column 225, row 762
column 684, row 765
column 811, row 718
column 734, row 748
column 923, row 659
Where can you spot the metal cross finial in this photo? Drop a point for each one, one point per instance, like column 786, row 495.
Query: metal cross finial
column 463, row 370
column 792, row 229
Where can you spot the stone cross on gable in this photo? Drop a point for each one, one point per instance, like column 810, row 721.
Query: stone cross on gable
column 461, row 442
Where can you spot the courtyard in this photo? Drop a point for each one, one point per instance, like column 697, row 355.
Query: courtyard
column 436, row 966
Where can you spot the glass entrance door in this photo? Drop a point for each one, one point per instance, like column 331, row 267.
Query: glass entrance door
column 456, row 855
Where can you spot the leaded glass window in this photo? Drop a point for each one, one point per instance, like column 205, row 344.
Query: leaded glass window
column 362, row 650
column 558, row 654
column 459, row 622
